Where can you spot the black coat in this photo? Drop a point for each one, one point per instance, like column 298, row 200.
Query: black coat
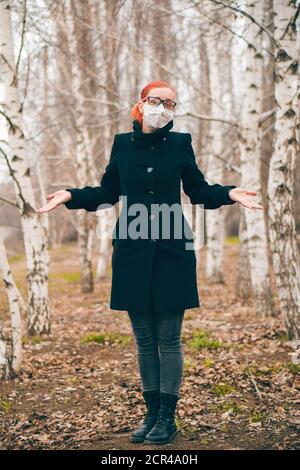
column 148, row 168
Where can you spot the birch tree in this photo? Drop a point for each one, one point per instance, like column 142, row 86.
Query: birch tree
column 214, row 219
column 110, row 57
column 243, row 279
column 10, row 361
column 282, row 167
column 250, row 154
column 34, row 234
column 83, row 145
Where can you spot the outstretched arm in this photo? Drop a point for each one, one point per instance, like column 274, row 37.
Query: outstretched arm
column 88, row 197
column 211, row 196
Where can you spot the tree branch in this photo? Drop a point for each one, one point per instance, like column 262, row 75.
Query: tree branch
column 244, row 13
column 4, row 199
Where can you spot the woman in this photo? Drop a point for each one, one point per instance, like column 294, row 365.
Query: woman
column 153, row 276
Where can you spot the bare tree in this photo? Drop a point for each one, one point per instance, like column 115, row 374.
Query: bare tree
column 282, row 167
column 16, row 159
column 10, row 361
column 83, row 141
column 250, row 150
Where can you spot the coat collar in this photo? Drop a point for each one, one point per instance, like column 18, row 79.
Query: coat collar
column 151, row 136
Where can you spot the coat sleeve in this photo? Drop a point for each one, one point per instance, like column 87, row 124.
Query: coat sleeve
column 197, row 188
column 89, row 198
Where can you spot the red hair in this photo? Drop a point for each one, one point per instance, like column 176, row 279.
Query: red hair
column 135, row 112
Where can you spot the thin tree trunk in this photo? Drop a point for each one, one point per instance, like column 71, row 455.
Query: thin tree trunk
column 214, row 220
column 243, row 284
column 112, row 52
column 105, row 221
column 34, row 236
column 4, row 359
column 10, row 365
column 250, row 149
column 83, row 145
column 282, row 169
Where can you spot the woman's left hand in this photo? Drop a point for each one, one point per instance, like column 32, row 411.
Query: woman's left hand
column 240, row 195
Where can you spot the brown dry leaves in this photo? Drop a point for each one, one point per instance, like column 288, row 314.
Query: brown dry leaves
column 242, row 395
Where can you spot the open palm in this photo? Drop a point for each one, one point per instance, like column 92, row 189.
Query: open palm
column 55, row 199
column 241, row 195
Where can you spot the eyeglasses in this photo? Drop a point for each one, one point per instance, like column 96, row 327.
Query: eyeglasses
column 155, row 101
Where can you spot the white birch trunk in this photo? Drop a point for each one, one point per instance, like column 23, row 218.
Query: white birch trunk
column 250, row 150
column 282, row 169
column 214, row 219
column 83, row 149
column 243, row 280
column 34, row 236
column 4, row 360
column 110, row 57
column 104, row 218
column 106, row 222
column 39, row 165
column 10, row 365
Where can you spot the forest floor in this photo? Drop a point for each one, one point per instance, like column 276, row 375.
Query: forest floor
column 79, row 387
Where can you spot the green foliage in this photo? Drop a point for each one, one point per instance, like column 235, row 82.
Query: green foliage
column 75, row 380
column 5, row 406
column 269, row 370
column 256, row 417
column 73, row 276
column 186, row 430
column 224, row 428
column 189, row 364
column 264, row 371
column 102, row 338
column 201, row 340
column 208, row 362
column 234, row 240
column 204, row 441
column 231, row 405
column 282, row 337
column 222, row 389
column 14, row 258
column 294, row 368
column 65, row 247
column 32, row 339
column 188, row 316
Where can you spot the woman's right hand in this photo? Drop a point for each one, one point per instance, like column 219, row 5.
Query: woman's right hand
column 55, row 199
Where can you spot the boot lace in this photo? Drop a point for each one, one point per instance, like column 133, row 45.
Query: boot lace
column 162, row 418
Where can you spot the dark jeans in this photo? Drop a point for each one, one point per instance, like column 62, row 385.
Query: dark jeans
column 159, row 349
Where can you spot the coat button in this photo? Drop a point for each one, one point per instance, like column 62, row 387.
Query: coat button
column 149, row 169
column 165, row 138
column 150, row 192
column 132, row 139
column 152, row 148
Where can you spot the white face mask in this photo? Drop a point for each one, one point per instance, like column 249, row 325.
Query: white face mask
column 157, row 116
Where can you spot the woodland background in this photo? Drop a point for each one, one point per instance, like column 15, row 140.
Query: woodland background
column 70, row 72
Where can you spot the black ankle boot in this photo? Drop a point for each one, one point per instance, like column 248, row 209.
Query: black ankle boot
column 152, row 400
column 164, row 429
